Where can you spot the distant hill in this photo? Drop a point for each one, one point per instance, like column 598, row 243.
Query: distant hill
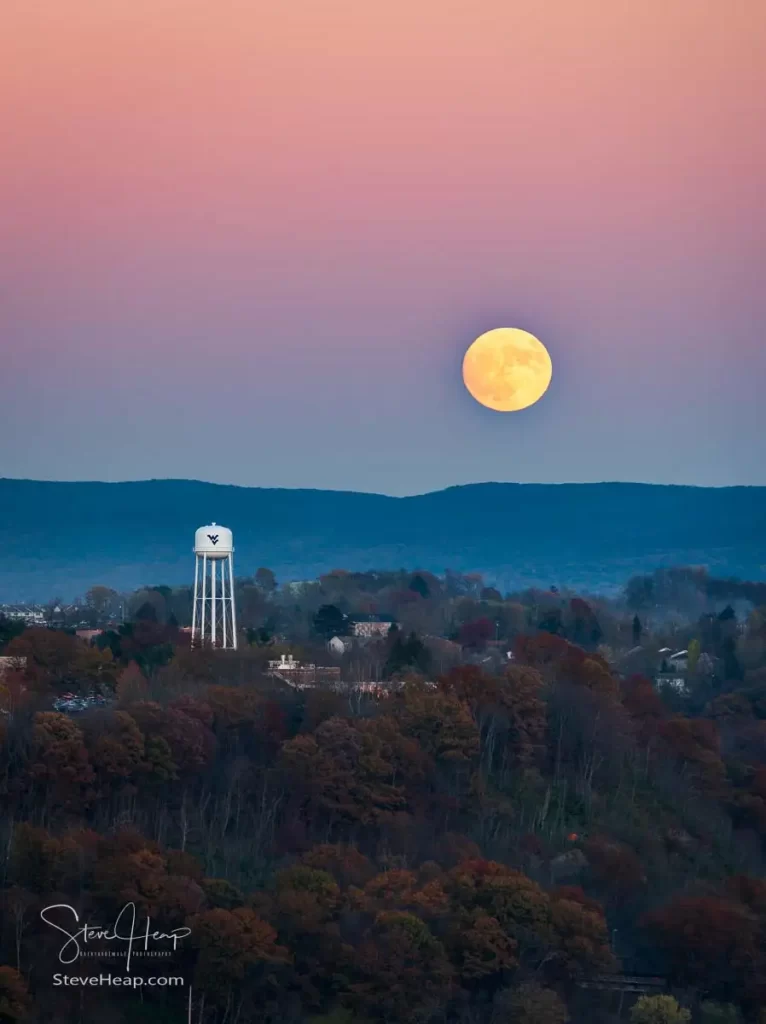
column 60, row 538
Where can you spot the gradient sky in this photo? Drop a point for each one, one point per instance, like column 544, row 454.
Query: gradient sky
column 249, row 242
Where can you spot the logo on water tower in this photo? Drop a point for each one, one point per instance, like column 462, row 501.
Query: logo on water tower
column 213, row 538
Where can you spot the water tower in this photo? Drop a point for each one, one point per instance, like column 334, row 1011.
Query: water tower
column 214, row 618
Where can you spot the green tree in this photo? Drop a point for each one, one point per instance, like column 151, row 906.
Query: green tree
column 659, row 1010
column 638, row 630
column 329, row 621
column 695, row 649
column 9, row 628
column 719, row 1013
column 639, row 593
column 266, row 580
column 410, row 653
column 419, row 586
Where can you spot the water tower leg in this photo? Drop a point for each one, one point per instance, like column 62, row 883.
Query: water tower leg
column 213, row 586
column 233, row 606
column 204, row 599
column 223, row 603
column 194, row 606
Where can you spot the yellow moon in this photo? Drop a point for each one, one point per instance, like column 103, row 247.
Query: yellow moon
column 507, row 369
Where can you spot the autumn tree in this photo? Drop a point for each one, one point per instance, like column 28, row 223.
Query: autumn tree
column 509, row 711
column 131, row 684
column 58, row 661
column 708, row 941
column 342, row 773
column 14, row 998
column 59, row 762
column 343, row 861
column 614, row 866
column 400, row 970
column 190, row 740
column 476, row 634
column 45, row 864
column 644, row 705
column 440, row 722
column 479, row 947
column 117, row 748
column 530, row 1003
column 695, row 743
column 236, row 948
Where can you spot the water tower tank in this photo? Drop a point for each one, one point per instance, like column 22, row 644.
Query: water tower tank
column 214, row 541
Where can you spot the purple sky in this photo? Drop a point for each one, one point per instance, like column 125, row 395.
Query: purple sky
column 254, row 248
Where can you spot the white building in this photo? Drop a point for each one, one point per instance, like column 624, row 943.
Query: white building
column 300, row 674
column 338, row 646
column 371, row 625
column 287, row 663
column 29, row 616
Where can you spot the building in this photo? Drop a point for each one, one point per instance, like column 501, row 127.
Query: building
column 340, row 645
column 673, row 670
column 88, row 635
column 672, row 680
column 678, row 662
column 301, row 675
column 371, row 625
column 30, row 616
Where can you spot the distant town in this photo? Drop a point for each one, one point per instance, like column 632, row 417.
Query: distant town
column 414, row 775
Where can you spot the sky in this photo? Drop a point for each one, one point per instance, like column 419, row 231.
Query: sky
column 250, row 242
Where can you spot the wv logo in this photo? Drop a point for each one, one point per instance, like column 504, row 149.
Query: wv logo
column 213, row 538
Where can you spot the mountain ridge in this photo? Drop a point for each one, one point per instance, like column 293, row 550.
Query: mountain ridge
column 61, row 537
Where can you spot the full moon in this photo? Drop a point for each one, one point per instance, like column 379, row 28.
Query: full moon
column 507, row 369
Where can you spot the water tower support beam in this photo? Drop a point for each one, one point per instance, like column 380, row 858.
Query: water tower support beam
column 233, row 608
column 223, row 603
column 213, row 585
column 194, row 606
column 204, row 595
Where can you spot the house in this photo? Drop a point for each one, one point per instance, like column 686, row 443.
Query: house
column 672, row 680
column 371, row 625
column 301, row 675
column 287, row 663
column 679, row 661
column 88, row 635
column 673, row 670
column 23, row 613
column 338, row 645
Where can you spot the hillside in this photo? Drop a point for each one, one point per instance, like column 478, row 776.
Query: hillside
column 59, row 538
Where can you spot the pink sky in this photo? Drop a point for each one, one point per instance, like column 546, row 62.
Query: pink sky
column 331, row 200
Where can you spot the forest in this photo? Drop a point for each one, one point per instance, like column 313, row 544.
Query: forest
column 523, row 823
